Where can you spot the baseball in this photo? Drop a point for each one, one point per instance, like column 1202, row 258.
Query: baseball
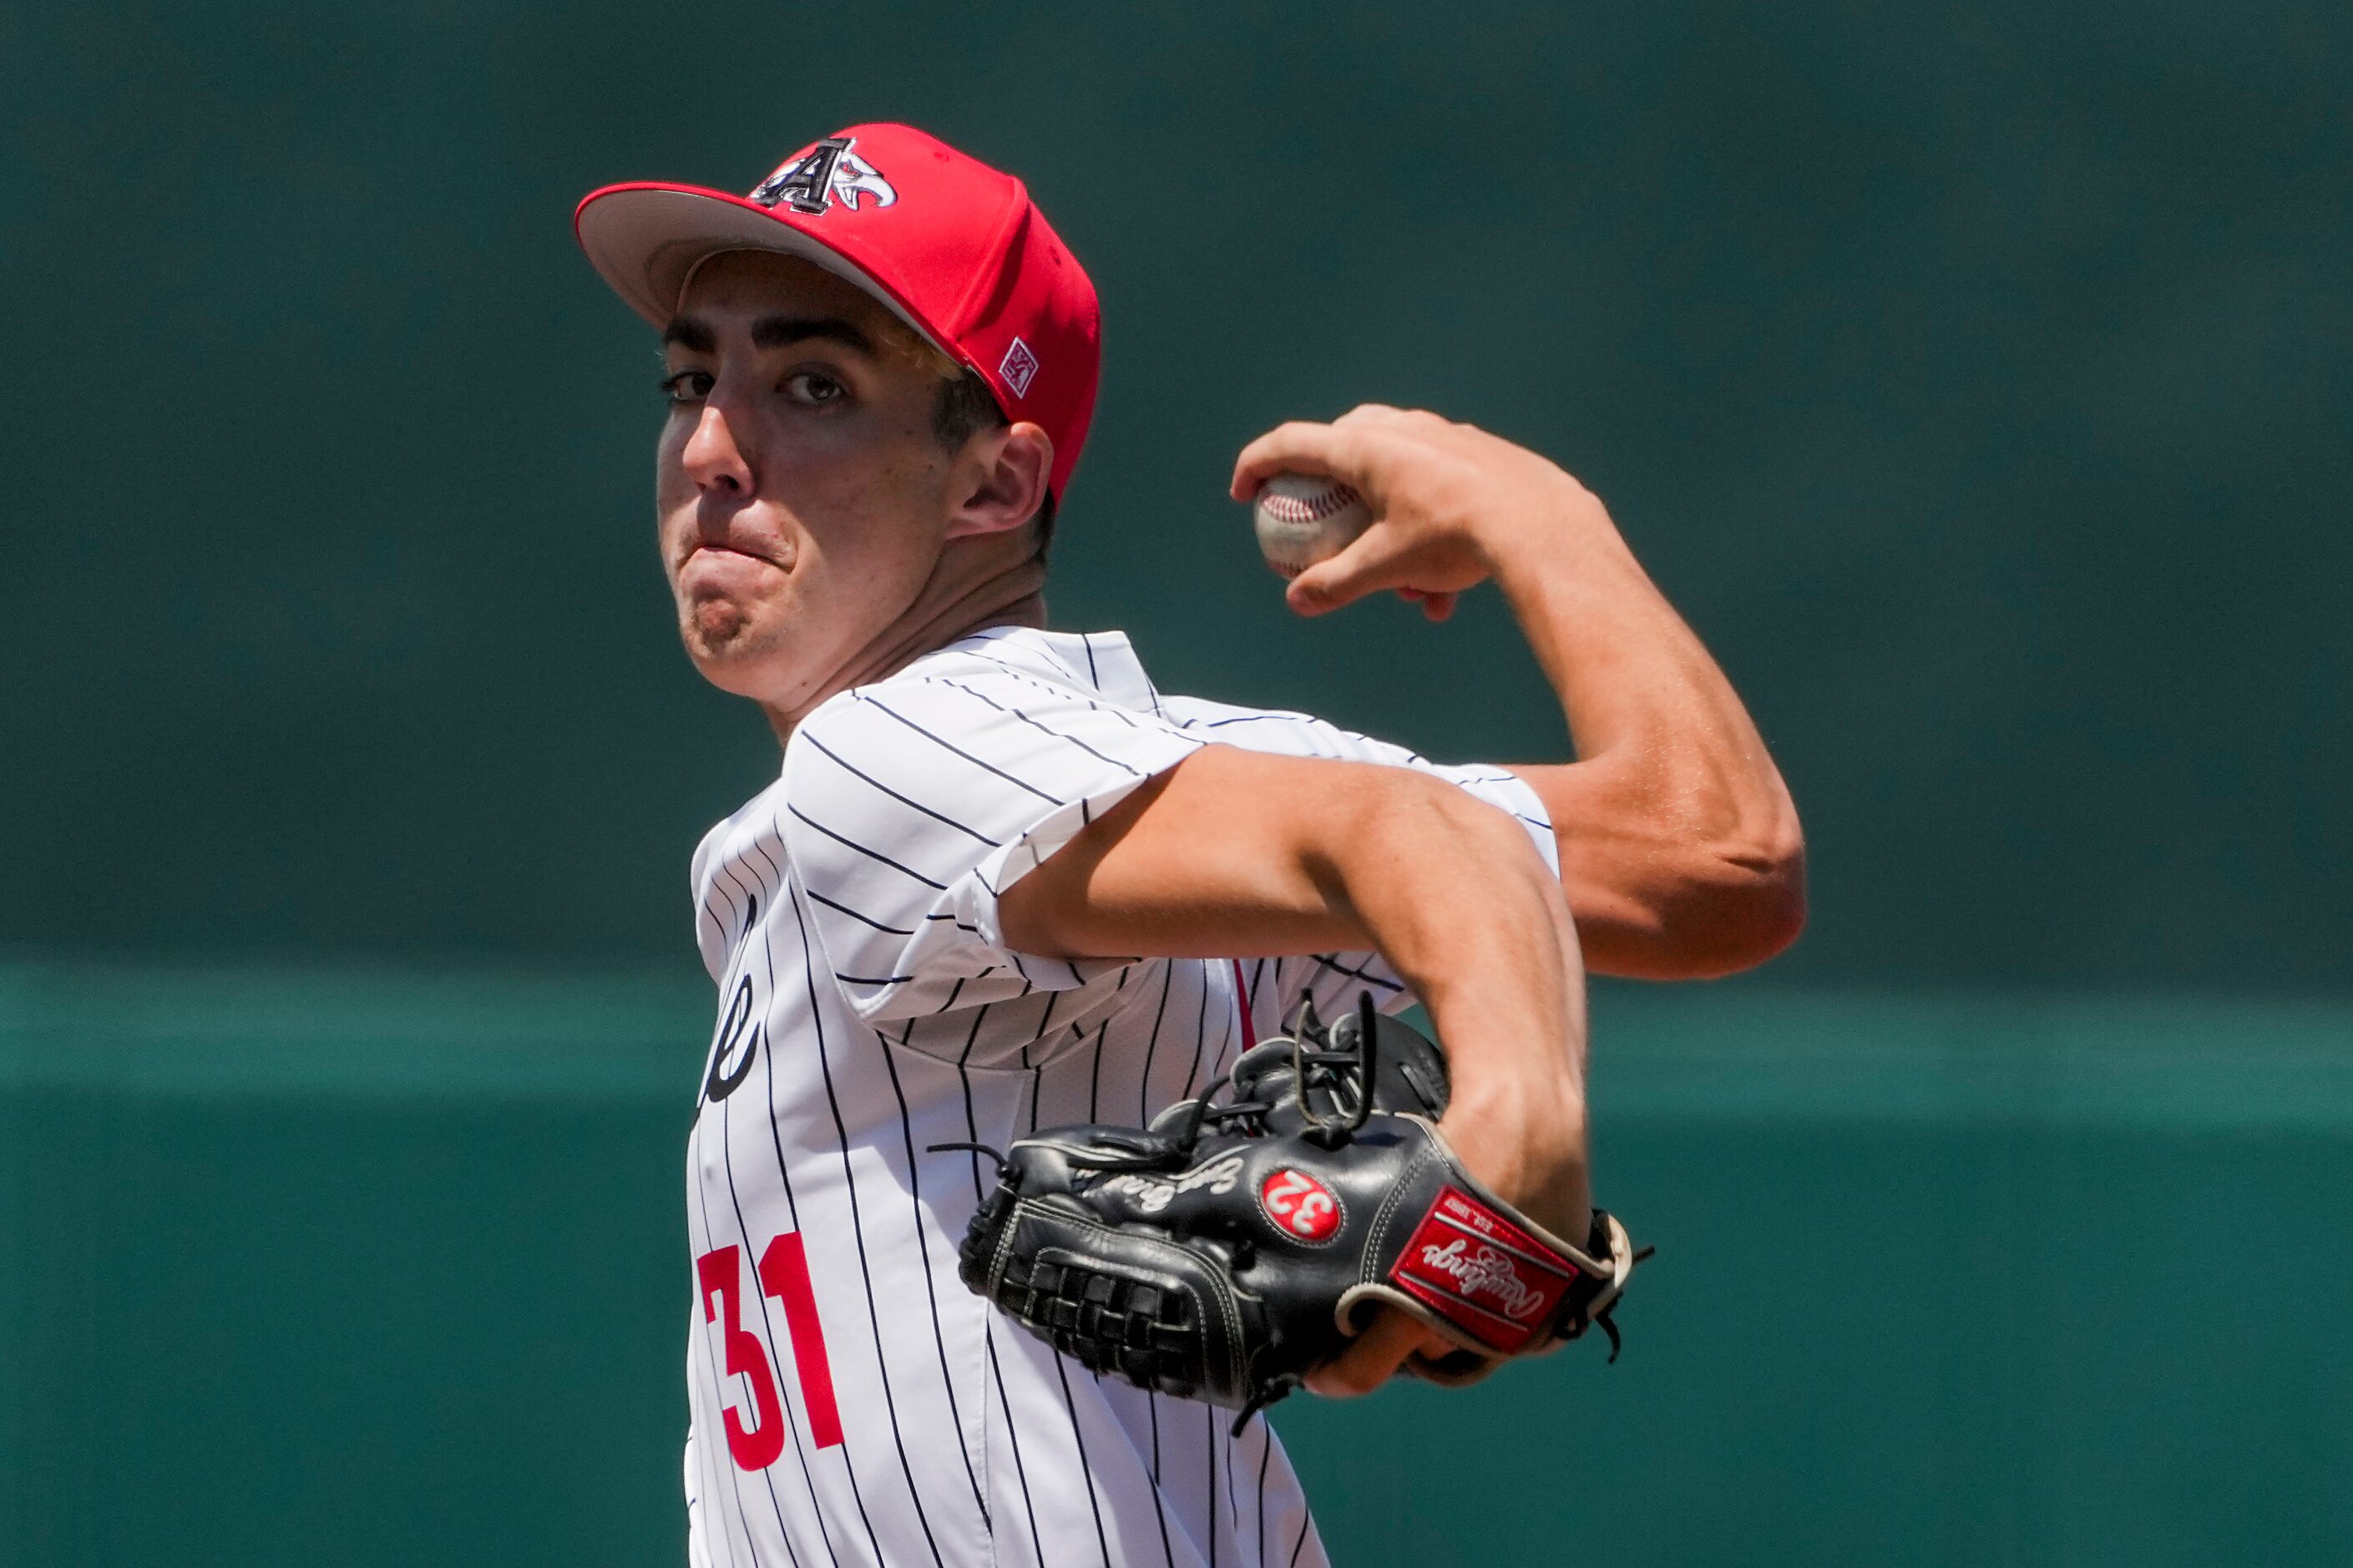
column 1301, row 520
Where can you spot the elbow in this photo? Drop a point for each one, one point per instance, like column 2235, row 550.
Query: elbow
column 1746, row 904
column 1769, row 912
column 1691, row 886
column 1705, row 910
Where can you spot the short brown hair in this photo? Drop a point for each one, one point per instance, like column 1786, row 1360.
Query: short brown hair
column 964, row 408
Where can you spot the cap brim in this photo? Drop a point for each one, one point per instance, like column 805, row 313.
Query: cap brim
column 647, row 239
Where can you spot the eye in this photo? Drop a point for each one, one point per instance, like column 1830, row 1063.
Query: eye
column 687, row 387
column 814, row 388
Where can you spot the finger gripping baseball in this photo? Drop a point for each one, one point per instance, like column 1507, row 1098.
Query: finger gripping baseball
column 1301, row 520
column 1229, row 1252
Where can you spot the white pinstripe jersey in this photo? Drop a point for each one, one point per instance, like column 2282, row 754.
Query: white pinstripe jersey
column 852, row 1404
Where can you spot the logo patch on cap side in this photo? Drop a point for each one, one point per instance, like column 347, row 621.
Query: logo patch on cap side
column 828, row 172
column 1020, row 366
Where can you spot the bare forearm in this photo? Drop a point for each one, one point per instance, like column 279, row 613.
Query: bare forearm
column 1232, row 852
column 1482, row 934
column 1680, row 846
column 1238, row 853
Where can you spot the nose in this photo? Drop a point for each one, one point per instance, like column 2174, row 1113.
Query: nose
column 712, row 458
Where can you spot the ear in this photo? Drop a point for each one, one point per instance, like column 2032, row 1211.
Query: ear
column 1003, row 476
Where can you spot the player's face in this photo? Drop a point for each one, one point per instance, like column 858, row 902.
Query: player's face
column 803, row 498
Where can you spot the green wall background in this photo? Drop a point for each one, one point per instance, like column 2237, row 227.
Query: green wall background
column 1976, row 379
column 374, row 1268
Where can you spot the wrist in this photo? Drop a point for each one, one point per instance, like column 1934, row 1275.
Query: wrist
column 1527, row 1142
column 1556, row 518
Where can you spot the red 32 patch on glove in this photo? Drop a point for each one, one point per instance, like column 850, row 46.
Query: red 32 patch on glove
column 1301, row 1204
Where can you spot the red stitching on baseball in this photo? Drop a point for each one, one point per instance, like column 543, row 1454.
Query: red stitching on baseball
column 1297, row 508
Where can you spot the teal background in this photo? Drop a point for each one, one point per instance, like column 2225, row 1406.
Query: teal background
column 341, row 1266
column 1976, row 379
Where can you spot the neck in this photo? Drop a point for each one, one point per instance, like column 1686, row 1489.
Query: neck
column 991, row 580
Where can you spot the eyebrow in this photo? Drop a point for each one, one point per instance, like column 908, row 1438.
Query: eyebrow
column 695, row 335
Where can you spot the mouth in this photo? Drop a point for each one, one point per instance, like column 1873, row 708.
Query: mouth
column 707, row 547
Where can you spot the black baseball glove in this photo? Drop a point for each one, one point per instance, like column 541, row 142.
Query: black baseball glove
column 1228, row 1249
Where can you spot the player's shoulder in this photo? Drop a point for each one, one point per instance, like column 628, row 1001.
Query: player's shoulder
column 1282, row 729
column 1297, row 735
column 1094, row 669
column 1009, row 709
column 1002, row 675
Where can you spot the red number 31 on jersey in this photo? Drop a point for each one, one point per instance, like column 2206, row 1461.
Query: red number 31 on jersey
column 783, row 1274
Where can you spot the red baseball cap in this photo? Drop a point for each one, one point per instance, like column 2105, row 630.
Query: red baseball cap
column 956, row 250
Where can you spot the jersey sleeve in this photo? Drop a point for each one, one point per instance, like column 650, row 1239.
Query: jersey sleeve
column 910, row 806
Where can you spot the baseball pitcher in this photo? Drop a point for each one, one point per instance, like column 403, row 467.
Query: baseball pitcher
column 1045, row 1136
